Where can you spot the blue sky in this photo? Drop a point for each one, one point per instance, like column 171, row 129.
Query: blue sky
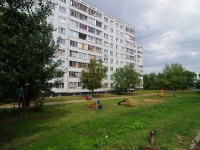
column 169, row 30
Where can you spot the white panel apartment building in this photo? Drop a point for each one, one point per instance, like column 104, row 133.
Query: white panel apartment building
column 89, row 33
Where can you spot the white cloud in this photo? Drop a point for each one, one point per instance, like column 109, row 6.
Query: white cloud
column 169, row 30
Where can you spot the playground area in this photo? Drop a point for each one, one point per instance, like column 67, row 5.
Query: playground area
column 79, row 126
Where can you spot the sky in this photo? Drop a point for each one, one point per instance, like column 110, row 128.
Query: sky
column 168, row 30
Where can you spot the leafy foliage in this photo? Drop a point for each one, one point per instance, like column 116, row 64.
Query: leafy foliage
column 27, row 49
column 197, row 85
column 126, row 78
column 93, row 74
column 174, row 76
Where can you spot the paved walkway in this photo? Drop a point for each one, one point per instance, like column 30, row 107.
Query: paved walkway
column 72, row 101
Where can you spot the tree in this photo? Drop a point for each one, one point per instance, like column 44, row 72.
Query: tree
column 93, row 74
column 197, row 84
column 126, row 78
column 27, row 49
column 174, row 74
column 189, row 77
column 146, row 81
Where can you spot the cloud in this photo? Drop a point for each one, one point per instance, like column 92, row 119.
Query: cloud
column 169, row 30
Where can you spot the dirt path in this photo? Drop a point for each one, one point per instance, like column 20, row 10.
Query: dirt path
column 73, row 101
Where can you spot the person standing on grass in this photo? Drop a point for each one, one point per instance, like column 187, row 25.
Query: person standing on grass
column 90, row 97
column 87, row 97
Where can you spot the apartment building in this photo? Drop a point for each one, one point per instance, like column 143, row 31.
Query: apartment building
column 87, row 32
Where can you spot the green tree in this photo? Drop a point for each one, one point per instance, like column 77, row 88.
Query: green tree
column 197, row 84
column 189, row 77
column 174, row 74
column 146, row 81
column 152, row 78
column 93, row 74
column 27, row 49
column 161, row 82
column 126, row 78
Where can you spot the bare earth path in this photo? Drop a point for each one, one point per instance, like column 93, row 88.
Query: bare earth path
column 73, row 101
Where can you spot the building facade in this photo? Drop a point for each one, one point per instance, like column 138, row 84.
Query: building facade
column 87, row 32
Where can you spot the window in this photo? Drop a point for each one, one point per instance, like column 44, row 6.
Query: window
column 82, row 26
column 62, row 41
column 74, row 34
column 105, row 27
column 82, row 46
column 121, row 27
column 61, row 62
column 62, row 19
column 117, row 62
column 105, row 85
column 111, row 30
column 105, row 35
column 111, row 85
column 73, row 54
column 64, row 1
column 122, row 56
column 91, row 38
column 91, row 30
column 111, row 61
column 111, row 77
column 106, row 77
column 72, row 85
column 111, row 68
column 117, row 55
column 98, row 24
column 121, row 41
column 61, row 30
column 117, row 25
column 111, row 53
column 80, row 84
column 117, row 47
column 105, row 60
column 73, row 43
column 61, row 52
column 74, row 23
column 117, row 32
column 61, row 85
column 82, row 55
column 73, row 74
column 131, row 31
column 111, row 45
column 106, row 19
column 122, row 48
column 127, row 29
column 106, row 53
column 62, row 9
column 122, row 63
column 121, row 34
column 90, row 20
column 111, row 22
column 111, row 37
column 98, row 32
column 117, row 40
column 98, row 41
column 93, row 12
column 106, row 44
column 98, row 49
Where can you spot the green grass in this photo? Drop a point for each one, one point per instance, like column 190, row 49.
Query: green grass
column 75, row 126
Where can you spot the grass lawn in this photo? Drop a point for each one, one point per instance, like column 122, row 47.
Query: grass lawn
column 75, row 126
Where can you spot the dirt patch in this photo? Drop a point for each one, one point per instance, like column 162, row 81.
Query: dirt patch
column 180, row 139
column 153, row 101
column 196, row 142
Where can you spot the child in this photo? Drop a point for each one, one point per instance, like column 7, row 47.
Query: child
column 87, row 97
column 90, row 97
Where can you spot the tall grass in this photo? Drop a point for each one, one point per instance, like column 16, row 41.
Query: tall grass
column 76, row 126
